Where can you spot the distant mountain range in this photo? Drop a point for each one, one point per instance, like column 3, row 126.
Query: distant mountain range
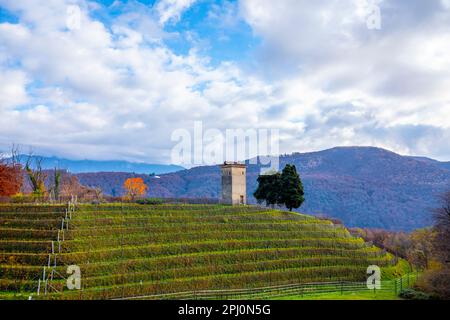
column 362, row 186
column 79, row 166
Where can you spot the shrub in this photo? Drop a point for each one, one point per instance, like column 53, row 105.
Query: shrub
column 150, row 201
column 23, row 198
column 436, row 282
column 412, row 294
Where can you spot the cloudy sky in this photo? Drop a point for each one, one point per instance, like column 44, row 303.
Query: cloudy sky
column 115, row 83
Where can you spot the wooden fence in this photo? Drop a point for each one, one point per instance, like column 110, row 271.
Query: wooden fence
column 302, row 289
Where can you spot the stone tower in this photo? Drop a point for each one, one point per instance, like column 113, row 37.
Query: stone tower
column 234, row 183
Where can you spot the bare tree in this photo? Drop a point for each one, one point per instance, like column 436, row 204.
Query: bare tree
column 442, row 228
column 56, row 187
column 437, row 280
column 70, row 186
column 98, row 194
column 36, row 175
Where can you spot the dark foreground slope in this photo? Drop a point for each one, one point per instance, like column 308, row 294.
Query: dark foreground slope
column 149, row 250
column 364, row 187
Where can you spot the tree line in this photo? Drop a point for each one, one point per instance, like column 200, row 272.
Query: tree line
column 25, row 180
column 427, row 249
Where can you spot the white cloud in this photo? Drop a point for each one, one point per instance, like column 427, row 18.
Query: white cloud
column 110, row 87
column 171, row 10
column 346, row 84
column 134, row 125
column 117, row 90
column 12, row 89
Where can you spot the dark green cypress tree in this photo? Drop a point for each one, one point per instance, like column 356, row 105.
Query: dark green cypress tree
column 261, row 192
column 273, row 193
column 268, row 189
column 291, row 191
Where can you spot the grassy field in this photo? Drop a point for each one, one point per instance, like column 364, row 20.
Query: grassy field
column 359, row 295
column 140, row 250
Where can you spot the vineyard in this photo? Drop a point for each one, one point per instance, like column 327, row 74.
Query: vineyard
column 126, row 250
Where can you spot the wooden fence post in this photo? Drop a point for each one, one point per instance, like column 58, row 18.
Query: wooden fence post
column 395, row 286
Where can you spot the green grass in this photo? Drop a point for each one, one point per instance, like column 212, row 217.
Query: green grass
column 359, row 295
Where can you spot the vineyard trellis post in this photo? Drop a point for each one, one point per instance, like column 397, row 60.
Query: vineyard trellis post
column 122, row 250
column 47, row 277
column 395, row 286
column 401, row 285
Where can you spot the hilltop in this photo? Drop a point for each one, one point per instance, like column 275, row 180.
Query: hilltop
column 362, row 186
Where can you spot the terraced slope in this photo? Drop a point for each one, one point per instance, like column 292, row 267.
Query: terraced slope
column 133, row 250
column 26, row 234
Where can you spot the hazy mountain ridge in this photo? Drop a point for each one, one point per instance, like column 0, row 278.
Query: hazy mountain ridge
column 80, row 166
column 365, row 187
column 444, row 165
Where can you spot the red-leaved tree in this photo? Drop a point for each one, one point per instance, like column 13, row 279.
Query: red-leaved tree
column 11, row 176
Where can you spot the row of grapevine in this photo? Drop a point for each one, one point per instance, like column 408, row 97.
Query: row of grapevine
column 126, row 250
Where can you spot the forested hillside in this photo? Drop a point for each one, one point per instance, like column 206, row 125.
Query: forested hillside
column 364, row 187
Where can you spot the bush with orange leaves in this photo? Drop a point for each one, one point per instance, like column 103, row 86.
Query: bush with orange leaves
column 135, row 188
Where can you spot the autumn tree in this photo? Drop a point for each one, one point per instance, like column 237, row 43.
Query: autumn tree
column 97, row 194
column 134, row 187
column 439, row 280
column 70, row 185
column 11, row 178
column 436, row 279
column 420, row 251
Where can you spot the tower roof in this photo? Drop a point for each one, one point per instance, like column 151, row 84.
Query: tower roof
column 229, row 164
